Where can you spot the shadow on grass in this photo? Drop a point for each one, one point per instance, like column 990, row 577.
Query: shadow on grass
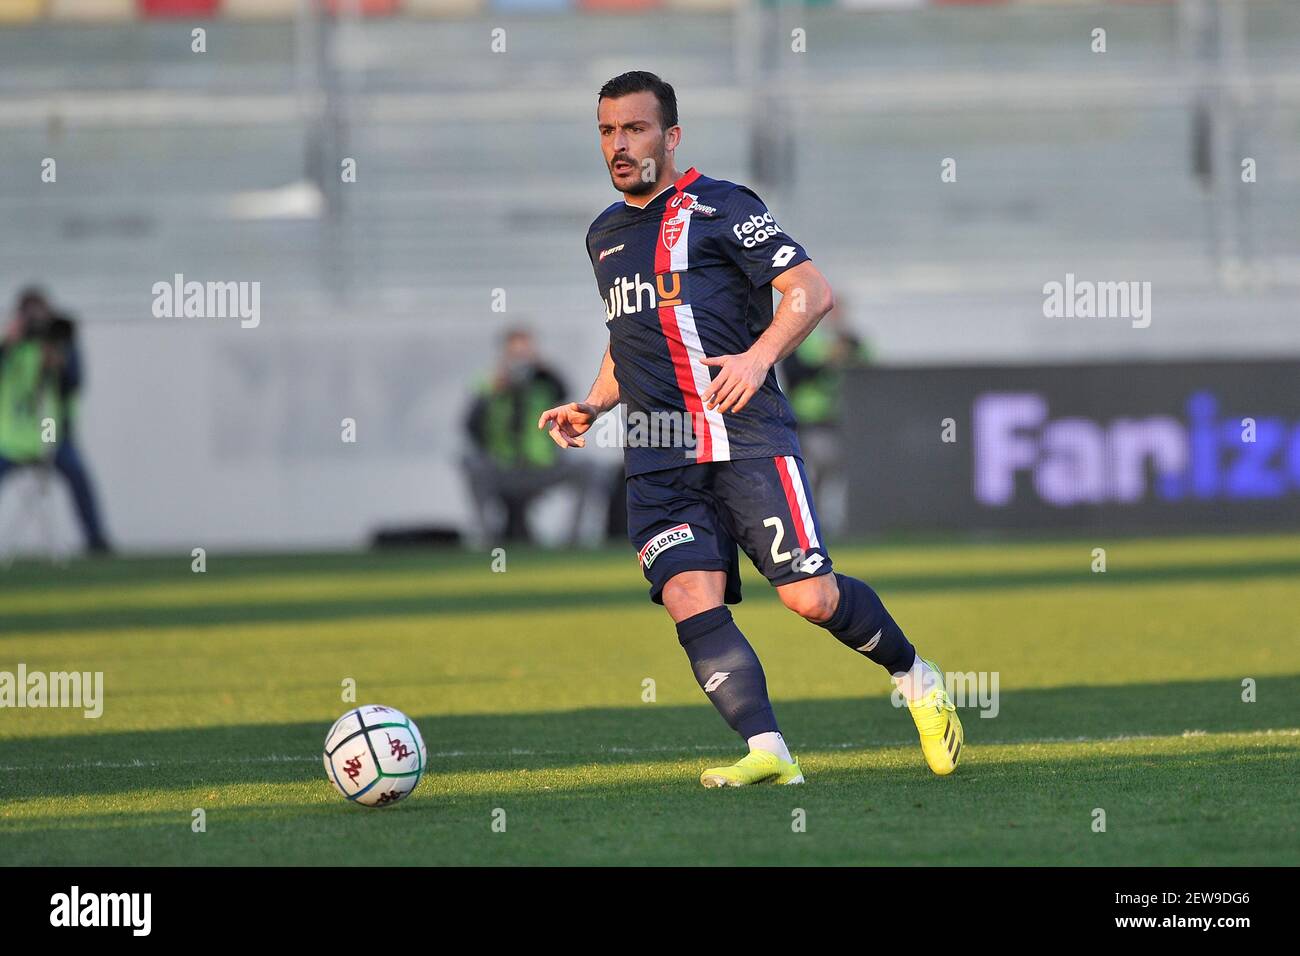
column 156, row 569
column 279, row 753
column 1218, row 805
column 53, row 619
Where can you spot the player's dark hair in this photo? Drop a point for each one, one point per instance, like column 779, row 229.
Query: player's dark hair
column 639, row 81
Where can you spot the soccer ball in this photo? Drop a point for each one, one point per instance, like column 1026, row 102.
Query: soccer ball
column 374, row 755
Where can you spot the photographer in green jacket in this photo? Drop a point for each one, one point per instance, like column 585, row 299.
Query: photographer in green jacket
column 40, row 374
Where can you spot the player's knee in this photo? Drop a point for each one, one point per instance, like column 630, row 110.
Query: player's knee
column 693, row 592
column 814, row 600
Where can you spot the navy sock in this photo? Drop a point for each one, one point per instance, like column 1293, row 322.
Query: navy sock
column 862, row 623
column 728, row 671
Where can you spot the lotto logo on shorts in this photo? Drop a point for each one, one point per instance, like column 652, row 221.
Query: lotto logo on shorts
column 662, row 542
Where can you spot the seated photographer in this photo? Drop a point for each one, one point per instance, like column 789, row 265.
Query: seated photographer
column 510, row 463
column 40, row 374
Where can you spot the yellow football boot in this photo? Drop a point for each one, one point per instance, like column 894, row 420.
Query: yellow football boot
column 939, row 726
column 757, row 766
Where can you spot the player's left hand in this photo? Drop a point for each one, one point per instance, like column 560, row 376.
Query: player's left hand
column 741, row 376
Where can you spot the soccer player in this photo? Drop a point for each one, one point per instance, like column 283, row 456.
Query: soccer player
column 686, row 265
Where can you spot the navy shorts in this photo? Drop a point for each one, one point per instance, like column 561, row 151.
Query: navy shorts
column 695, row 518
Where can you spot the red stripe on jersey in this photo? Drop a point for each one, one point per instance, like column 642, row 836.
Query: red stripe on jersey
column 686, row 383
column 791, row 499
column 673, row 336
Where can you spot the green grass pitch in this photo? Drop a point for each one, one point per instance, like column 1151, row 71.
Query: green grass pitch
column 1119, row 691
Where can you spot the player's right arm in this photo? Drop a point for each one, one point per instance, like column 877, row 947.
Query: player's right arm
column 568, row 423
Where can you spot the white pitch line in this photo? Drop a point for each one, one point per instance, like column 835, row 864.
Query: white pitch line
column 518, row 752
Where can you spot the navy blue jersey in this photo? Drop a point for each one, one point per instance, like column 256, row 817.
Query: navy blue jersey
column 690, row 276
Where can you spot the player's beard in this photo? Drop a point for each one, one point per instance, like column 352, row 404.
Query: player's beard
column 639, row 186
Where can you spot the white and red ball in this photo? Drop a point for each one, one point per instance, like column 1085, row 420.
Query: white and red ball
column 374, row 755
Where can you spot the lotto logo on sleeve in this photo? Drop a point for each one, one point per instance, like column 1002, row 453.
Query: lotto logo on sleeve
column 663, row 541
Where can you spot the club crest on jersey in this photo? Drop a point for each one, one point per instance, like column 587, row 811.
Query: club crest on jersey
column 663, row 541
column 672, row 231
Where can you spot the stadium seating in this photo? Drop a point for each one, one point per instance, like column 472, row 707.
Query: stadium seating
column 12, row 11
